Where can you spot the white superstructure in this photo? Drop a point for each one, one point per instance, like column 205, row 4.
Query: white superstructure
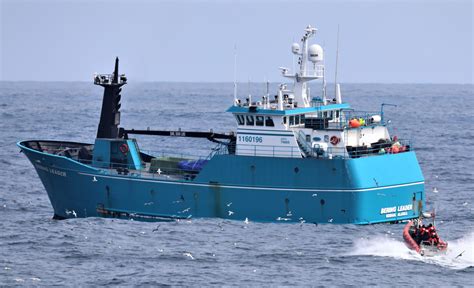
column 295, row 123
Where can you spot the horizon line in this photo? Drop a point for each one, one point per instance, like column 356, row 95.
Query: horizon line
column 231, row 82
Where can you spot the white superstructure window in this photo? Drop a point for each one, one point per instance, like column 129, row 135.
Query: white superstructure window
column 240, row 119
column 269, row 122
column 250, row 120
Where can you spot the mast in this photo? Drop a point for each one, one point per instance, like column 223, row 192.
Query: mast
column 337, row 60
column 314, row 54
column 110, row 113
column 235, row 75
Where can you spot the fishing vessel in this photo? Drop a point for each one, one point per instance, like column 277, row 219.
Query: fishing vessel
column 297, row 156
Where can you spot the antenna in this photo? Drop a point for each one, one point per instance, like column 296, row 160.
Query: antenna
column 337, row 60
column 250, row 95
column 324, row 85
column 293, row 58
column 268, row 87
column 235, row 74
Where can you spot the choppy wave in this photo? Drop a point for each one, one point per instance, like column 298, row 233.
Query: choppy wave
column 460, row 253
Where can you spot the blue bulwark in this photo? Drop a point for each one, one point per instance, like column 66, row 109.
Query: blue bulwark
column 295, row 111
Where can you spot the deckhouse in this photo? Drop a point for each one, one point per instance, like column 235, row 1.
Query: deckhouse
column 295, row 123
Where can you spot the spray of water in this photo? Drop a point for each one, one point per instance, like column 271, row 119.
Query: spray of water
column 390, row 247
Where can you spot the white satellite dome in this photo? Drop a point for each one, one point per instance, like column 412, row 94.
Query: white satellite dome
column 315, row 53
column 295, row 48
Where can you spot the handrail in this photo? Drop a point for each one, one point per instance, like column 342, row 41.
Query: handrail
column 307, row 149
column 268, row 150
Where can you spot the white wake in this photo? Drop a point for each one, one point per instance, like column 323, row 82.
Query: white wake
column 390, row 247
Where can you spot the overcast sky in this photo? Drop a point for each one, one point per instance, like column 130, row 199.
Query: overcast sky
column 380, row 41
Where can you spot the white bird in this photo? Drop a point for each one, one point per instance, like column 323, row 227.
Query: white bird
column 315, row 195
column 187, row 254
column 230, row 213
column 185, row 210
column 71, row 212
column 159, row 171
column 94, row 179
column 435, row 190
column 246, row 220
column 302, row 221
column 283, row 219
column 228, row 204
column 330, row 220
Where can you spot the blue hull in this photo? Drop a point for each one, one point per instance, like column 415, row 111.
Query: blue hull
column 385, row 188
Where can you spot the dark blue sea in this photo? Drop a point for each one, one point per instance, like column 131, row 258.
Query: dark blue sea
column 36, row 250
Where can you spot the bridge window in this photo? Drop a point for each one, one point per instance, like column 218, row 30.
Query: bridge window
column 302, row 119
column 269, row 122
column 259, row 120
column 250, row 120
column 292, row 120
column 240, row 119
column 284, row 120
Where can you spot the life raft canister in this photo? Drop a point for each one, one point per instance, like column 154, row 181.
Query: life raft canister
column 334, row 140
column 124, row 148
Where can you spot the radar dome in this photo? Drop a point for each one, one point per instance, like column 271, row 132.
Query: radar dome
column 295, row 48
column 315, row 53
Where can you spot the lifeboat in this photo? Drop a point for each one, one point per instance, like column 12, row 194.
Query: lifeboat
column 426, row 247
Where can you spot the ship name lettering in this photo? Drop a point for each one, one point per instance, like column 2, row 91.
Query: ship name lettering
column 405, row 207
column 41, row 167
column 51, row 170
column 57, row 172
column 388, row 210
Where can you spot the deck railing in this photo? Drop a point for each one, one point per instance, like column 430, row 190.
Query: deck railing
column 391, row 147
column 268, row 150
column 342, row 122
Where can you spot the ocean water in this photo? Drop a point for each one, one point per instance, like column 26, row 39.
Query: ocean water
column 36, row 250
